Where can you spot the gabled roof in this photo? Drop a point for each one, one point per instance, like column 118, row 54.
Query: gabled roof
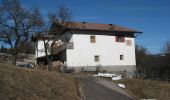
column 87, row 26
column 99, row 27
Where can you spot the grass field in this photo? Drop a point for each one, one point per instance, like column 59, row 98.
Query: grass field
column 147, row 89
column 29, row 84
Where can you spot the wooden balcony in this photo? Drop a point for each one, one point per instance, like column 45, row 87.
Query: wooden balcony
column 56, row 49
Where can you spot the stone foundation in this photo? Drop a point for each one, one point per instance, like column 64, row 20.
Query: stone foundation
column 128, row 70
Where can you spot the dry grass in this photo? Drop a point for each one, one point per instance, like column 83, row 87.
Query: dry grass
column 29, row 84
column 147, row 89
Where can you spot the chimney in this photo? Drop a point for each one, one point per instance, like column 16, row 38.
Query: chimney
column 84, row 22
column 84, row 26
column 110, row 26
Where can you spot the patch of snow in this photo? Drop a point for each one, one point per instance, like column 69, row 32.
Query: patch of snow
column 119, row 77
column 113, row 76
column 105, row 75
column 121, row 85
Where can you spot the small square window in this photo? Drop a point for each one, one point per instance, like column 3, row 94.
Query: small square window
column 92, row 39
column 129, row 42
column 121, row 57
column 96, row 58
column 120, row 38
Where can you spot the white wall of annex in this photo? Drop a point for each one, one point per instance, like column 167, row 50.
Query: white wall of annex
column 40, row 51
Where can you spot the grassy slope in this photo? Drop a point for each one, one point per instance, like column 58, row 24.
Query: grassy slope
column 26, row 84
column 147, row 89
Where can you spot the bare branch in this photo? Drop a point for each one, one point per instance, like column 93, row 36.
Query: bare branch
column 166, row 48
column 62, row 18
column 19, row 23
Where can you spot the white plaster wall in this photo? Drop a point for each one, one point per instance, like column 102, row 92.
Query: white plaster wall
column 40, row 51
column 105, row 46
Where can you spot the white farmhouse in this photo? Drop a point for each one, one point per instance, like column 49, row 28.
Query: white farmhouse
column 90, row 45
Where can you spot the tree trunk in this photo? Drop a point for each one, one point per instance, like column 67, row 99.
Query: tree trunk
column 49, row 65
column 46, row 55
column 14, row 59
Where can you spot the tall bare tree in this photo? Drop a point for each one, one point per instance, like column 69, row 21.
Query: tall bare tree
column 59, row 21
column 166, row 48
column 166, row 61
column 17, row 24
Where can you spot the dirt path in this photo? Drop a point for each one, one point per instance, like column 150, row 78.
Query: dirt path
column 92, row 89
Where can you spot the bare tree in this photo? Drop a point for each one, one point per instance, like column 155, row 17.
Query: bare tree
column 62, row 18
column 166, row 48
column 166, row 59
column 17, row 24
column 59, row 22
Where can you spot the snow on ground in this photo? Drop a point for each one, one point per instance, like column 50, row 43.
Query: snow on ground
column 119, row 77
column 113, row 76
column 121, row 85
column 105, row 75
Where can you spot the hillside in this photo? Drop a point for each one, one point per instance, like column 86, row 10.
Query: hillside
column 147, row 89
column 29, row 84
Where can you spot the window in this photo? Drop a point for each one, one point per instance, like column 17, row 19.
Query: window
column 129, row 42
column 92, row 39
column 121, row 57
column 70, row 45
column 120, row 39
column 96, row 58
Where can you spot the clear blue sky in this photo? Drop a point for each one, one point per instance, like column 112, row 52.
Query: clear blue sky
column 152, row 17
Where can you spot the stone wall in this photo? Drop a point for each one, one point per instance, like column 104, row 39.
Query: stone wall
column 128, row 70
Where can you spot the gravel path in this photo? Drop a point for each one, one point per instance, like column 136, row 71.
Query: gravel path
column 91, row 89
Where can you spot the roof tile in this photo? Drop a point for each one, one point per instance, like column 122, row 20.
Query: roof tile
column 99, row 27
